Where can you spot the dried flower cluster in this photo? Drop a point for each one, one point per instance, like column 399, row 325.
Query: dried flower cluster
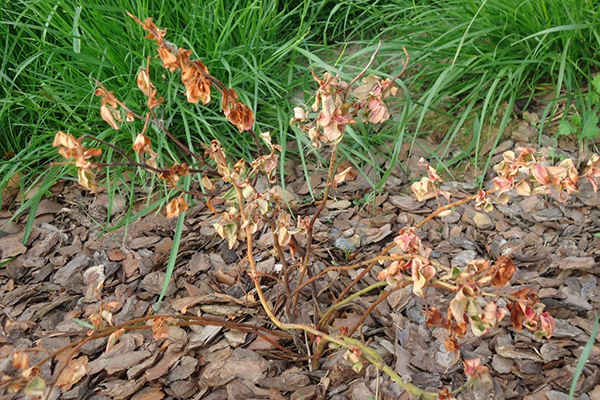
column 196, row 78
column 337, row 109
column 477, row 285
column 69, row 147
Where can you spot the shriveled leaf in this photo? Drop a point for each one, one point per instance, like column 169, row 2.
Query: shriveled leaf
column 21, row 360
column 114, row 338
column 474, row 368
column 459, row 303
column 176, row 207
column 207, row 183
column 108, row 115
column 140, row 143
column 424, row 189
column 194, row 78
column 160, row 328
column 87, row 179
column 421, row 274
column 341, row 177
column 523, row 189
column 540, row 174
column 168, row 59
column 75, row 370
column 502, row 271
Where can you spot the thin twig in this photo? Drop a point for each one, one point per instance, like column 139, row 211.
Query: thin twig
column 404, row 66
column 364, row 71
column 309, row 234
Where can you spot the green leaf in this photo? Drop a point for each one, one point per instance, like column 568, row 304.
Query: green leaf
column 590, row 128
column 596, row 84
column 36, row 387
column 565, row 128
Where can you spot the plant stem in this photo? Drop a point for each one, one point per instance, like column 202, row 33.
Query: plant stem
column 309, row 234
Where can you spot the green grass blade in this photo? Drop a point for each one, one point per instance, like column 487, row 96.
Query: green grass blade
column 585, row 354
column 174, row 251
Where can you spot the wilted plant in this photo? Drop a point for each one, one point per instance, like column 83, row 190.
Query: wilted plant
column 251, row 207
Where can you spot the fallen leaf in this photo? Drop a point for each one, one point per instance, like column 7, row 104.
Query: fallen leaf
column 75, row 370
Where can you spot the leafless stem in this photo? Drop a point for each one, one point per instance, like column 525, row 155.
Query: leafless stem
column 309, row 234
column 364, row 71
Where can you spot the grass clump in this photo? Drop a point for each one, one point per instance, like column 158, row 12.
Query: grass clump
column 481, row 58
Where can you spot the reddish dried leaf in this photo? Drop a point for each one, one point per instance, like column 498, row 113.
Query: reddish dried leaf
column 169, row 60
column 435, row 318
column 516, row 315
column 451, row 344
column 502, row 271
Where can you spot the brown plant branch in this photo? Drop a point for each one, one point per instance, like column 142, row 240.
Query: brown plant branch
column 309, row 234
column 363, row 72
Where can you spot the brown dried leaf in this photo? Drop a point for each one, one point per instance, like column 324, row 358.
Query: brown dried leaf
column 502, row 271
column 160, row 329
column 194, row 78
column 21, row 360
column 110, row 115
column 76, row 369
column 176, row 207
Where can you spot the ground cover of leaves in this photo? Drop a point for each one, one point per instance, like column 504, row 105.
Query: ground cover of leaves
column 53, row 277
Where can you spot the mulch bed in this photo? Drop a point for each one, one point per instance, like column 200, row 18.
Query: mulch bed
column 54, row 278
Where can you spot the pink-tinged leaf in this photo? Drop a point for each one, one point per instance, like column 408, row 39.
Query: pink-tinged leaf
column 328, row 105
column 341, row 177
column 474, row 368
column 377, row 111
column 540, row 174
column 503, row 184
column 396, row 267
column 459, row 303
column 547, row 325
